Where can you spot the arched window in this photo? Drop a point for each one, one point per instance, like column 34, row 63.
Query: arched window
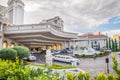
column 12, row 44
column 5, row 44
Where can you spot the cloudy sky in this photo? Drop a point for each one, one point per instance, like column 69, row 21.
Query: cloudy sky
column 79, row 16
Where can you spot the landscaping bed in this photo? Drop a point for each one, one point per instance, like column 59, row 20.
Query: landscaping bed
column 16, row 70
column 54, row 66
column 91, row 56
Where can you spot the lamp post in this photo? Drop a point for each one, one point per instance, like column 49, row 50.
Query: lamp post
column 107, row 62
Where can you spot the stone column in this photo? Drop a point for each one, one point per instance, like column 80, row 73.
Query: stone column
column 9, row 44
column 64, row 45
column 48, row 58
column 69, row 44
column 1, row 35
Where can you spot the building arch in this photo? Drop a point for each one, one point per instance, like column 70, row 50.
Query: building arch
column 12, row 44
column 5, row 44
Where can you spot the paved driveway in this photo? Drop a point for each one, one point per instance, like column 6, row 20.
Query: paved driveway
column 96, row 66
column 87, row 64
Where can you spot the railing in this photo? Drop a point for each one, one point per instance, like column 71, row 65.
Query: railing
column 39, row 27
column 24, row 27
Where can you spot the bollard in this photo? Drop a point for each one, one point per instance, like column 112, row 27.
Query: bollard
column 107, row 63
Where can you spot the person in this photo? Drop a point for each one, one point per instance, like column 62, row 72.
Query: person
column 94, row 56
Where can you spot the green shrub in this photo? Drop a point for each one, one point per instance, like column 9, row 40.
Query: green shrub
column 111, row 77
column 16, row 70
column 82, row 48
column 86, row 76
column 22, row 51
column 70, row 76
column 80, row 76
column 8, row 53
column 56, row 66
column 116, row 67
column 83, row 56
column 101, row 76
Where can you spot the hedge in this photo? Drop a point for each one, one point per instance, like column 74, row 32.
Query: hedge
column 8, row 53
column 22, row 51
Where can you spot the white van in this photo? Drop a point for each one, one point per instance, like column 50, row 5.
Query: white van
column 65, row 58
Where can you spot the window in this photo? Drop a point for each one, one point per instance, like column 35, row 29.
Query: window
column 56, row 21
column 95, row 42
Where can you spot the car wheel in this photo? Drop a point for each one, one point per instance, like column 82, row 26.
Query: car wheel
column 28, row 59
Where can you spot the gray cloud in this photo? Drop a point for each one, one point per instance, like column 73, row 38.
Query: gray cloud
column 78, row 15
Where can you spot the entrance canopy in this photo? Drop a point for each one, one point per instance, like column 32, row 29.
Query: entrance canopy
column 37, row 34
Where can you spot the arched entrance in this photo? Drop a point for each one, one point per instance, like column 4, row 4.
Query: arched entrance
column 12, row 44
column 5, row 44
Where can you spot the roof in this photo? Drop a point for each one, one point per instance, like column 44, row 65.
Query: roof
column 92, row 36
column 54, row 18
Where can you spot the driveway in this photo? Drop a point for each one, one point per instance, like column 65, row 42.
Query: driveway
column 93, row 66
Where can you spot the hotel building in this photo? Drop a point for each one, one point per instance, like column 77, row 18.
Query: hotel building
column 46, row 34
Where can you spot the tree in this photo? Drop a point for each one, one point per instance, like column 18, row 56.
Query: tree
column 113, row 45
column 109, row 43
column 116, row 45
column 119, row 45
column 107, row 46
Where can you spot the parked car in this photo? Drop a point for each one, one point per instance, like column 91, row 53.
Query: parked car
column 63, row 51
column 30, row 58
column 65, row 58
column 53, row 52
column 66, row 51
column 57, row 51
column 69, row 51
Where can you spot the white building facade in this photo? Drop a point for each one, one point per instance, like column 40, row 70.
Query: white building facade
column 93, row 41
column 49, row 33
